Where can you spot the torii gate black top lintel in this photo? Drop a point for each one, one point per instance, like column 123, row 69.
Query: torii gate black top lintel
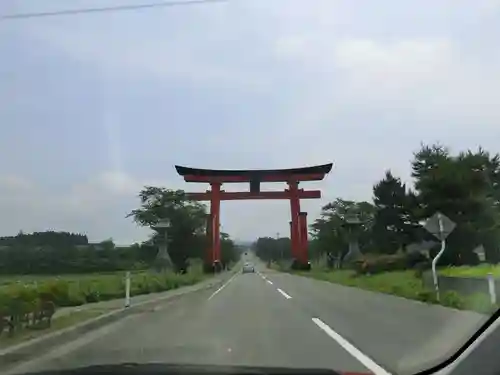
column 314, row 173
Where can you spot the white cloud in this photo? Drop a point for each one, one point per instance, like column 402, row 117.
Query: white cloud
column 406, row 62
column 428, row 76
column 96, row 195
column 421, row 89
column 433, row 77
column 12, row 183
column 360, row 86
column 97, row 206
column 138, row 57
column 370, row 104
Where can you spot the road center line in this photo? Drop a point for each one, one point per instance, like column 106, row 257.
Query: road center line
column 351, row 349
column 284, row 294
column 269, row 282
column 222, row 287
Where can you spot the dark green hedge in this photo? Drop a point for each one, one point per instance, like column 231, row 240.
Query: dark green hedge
column 385, row 263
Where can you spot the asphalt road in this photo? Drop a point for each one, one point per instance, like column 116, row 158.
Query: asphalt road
column 275, row 319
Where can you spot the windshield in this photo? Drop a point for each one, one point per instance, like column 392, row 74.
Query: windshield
column 273, row 183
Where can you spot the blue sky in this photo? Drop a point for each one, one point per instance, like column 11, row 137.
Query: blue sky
column 95, row 106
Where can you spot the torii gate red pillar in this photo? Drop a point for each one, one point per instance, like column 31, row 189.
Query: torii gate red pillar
column 295, row 210
column 293, row 239
column 298, row 226
column 215, row 215
column 304, row 242
column 298, row 223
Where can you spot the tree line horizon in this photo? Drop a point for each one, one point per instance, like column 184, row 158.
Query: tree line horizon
column 464, row 186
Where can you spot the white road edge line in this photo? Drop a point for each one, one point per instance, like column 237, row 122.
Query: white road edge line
column 222, row 287
column 284, row 294
column 351, row 349
column 269, row 282
column 59, row 351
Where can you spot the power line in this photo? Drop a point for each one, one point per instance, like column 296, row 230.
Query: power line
column 115, row 8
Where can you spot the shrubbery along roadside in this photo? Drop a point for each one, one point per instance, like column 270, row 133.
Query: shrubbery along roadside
column 31, row 306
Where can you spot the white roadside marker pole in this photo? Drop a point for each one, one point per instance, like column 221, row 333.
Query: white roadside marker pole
column 127, row 289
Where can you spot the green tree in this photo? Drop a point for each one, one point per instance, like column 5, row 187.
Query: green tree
column 229, row 251
column 268, row 248
column 330, row 231
column 187, row 221
column 395, row 224
column 464, row 188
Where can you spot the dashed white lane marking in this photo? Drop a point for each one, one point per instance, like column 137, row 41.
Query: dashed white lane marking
column 222, row 287
column 269, row 282
column 284, row 294
column 351, row 349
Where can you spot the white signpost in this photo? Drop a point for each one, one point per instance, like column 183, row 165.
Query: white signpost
column 127, row 289
column 491, row 289
column 439, row 226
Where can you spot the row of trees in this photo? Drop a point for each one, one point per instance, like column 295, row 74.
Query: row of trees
column 465, row 187
column 270, row 249
column 47, row 238
column 62, row 252
column 186, row 231
column 54, row 254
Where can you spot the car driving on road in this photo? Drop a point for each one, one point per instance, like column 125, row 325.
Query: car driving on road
column 248, row 268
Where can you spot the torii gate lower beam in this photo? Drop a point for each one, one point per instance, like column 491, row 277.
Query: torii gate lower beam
column 247, row 195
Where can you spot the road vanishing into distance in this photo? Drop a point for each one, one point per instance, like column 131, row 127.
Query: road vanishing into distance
column 274, row 319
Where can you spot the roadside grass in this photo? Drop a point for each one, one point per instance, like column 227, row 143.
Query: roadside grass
column 9, row 280
column 404, row 284
column 18, row 295
column 400, row 283
column 76, row 289
column 277, row 267
column 57, row 324
column 27, row 302
column 76, row 280
column 471, row 271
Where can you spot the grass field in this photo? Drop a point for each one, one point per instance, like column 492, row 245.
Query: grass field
column 9, row 280
column 403, row 284
column 73, row 290
column 20, row 296
column 471, row 271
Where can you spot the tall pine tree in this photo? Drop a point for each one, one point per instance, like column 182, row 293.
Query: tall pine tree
column 395, row 225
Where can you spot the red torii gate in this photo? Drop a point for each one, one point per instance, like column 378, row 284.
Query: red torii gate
column 298, row 223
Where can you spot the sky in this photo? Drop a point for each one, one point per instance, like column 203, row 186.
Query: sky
column 95, row 106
